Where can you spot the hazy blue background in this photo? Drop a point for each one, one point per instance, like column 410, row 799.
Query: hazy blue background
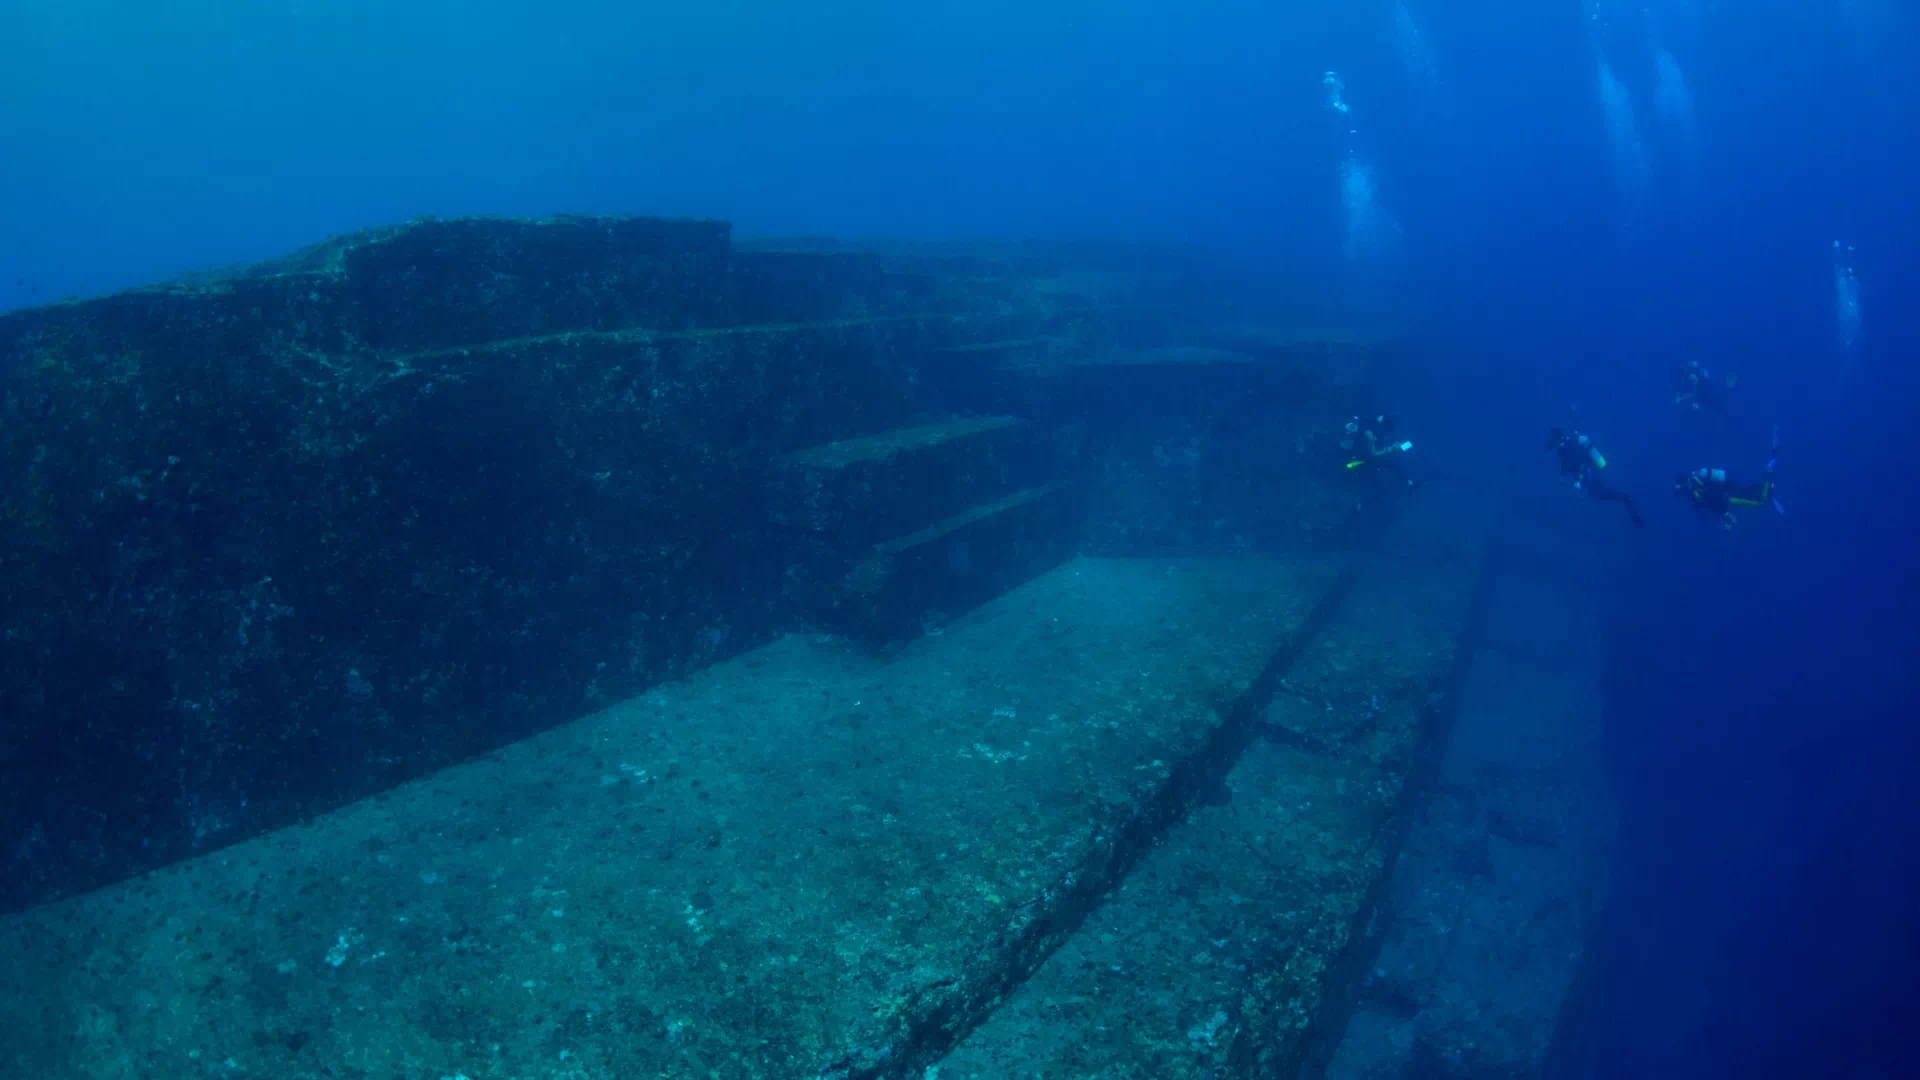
column 1570, row 256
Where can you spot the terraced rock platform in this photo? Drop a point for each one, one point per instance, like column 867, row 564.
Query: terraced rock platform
column 914, row 583
column 1495, row 903
column 1231, row 951
column 811, row 861
column 871, row 489
column 806, row 861
column 552, row 463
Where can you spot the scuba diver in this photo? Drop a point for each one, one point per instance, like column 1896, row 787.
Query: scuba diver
column 1582, row 461
column 1711, row 491
column 1693, row 387
column 1374, row 443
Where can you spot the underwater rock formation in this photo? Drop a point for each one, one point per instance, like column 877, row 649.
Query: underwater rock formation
column 773, row 660
column 279, row 537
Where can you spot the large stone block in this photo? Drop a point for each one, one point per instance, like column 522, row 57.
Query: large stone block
column 1495, row 902
column 880, row 487
column 806, row 861
column 914, row 583
column 1235, row 948
column 437, row 283
column 254, row 566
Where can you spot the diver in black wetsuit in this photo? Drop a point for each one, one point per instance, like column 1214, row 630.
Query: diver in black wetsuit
column 1711, row 492
column 1582, row 461
column 1694, row 388
column 1376, row 447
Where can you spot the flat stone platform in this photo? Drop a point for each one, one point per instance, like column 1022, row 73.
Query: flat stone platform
column 1233, row 949
column 809, row 861
column 1495, row 904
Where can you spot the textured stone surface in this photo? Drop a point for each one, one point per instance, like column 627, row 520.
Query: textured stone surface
column 1496, row 900
column 278, row 537
column 355, row 551
column 801, row 862
column 880, row 487
column 1228, row 929
column 1232, row 950
column 915, row 583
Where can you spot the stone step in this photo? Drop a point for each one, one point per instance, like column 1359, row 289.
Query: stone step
column 1039, row 374
column 1495, row 902
column 436, row 282
column 1162, row 356
column 913, row 583
column 1233, row 948
column 862, row 491
column 446, row 543
column 988, row 372
column 807, row 861
column 793, row 284
column 1234, row 924
column 1277, row 340
column 1052, row 355
column 711, row 401
column 1007, row 352
column 1337, row 356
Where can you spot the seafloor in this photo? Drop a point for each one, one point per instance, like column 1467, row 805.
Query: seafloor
column 594, row 649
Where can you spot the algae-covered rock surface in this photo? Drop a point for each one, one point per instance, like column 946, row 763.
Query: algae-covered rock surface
column 587, row 648
column 1234, row 948
column 805, row 861
column 1494, row 906
column 282, row 536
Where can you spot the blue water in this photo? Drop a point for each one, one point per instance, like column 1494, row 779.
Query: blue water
column 1575, row 196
